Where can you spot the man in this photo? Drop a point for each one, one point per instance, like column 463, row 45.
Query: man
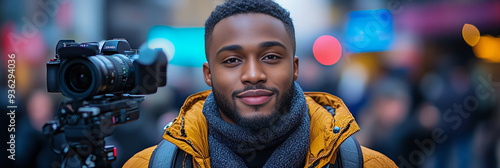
column 256, row 115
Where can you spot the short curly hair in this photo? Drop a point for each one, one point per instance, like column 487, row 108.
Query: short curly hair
column 233, row 7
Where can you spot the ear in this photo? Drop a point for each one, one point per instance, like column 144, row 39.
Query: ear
column 295, row 68
column 207, row 75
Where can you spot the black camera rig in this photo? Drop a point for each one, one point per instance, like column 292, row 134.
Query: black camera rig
column 83, row 70
column 105, row 85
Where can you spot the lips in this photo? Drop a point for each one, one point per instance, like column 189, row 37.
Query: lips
column 255, row 97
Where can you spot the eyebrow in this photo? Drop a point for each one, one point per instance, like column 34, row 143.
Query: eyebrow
column 229, row 48
column 268, row 44
column 265, row 44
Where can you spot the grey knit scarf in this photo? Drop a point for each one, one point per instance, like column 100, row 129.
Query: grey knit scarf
column 226, row 140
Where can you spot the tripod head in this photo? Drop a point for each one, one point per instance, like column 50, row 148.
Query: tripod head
column 85, row 124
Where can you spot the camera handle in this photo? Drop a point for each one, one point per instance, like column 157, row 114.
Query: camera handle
column 86, row 128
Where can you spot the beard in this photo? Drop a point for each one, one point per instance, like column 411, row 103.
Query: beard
column 255, row 123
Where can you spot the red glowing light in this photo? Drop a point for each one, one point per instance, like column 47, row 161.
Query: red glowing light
column 327, row 50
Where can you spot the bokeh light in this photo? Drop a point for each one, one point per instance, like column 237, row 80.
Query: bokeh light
column 369, row 31
column 487, row 48
column 184, row 46
column 327, row 50
column 484, row 47
column 471, row 34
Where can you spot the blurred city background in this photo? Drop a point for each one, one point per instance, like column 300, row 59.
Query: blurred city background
column 422, row 84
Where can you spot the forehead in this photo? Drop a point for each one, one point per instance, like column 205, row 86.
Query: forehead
column 248, row 29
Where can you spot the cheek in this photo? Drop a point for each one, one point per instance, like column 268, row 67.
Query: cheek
column 225, row 80
column 282, row 75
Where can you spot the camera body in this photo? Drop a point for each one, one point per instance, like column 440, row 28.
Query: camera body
column 106, row 84
column 84, row 70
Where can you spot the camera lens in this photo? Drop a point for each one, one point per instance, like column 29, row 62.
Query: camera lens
column 82, row 78
column 79, row 78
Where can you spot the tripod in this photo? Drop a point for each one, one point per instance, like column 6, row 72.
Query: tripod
column 85, row 124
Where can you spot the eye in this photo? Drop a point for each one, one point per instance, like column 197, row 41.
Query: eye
column 231, row 61
column 271, row 57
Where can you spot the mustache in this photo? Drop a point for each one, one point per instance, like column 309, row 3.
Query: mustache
column 253, row 87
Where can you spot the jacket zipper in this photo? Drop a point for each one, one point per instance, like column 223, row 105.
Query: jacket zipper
column 186, row 141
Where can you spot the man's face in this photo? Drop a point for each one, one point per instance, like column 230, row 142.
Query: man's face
column 251, row 69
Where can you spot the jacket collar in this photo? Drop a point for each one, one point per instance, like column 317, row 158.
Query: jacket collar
column 324, row 143
column 189, row 130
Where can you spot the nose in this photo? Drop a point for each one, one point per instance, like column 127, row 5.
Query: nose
column 253, row 72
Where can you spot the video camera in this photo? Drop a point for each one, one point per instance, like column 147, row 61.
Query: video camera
column 105, row 84
column 80, row 71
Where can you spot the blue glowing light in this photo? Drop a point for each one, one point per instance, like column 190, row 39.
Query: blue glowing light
column 369, row 31
column 184, row 46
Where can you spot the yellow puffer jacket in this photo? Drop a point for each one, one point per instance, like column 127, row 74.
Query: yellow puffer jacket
column 323, row 142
